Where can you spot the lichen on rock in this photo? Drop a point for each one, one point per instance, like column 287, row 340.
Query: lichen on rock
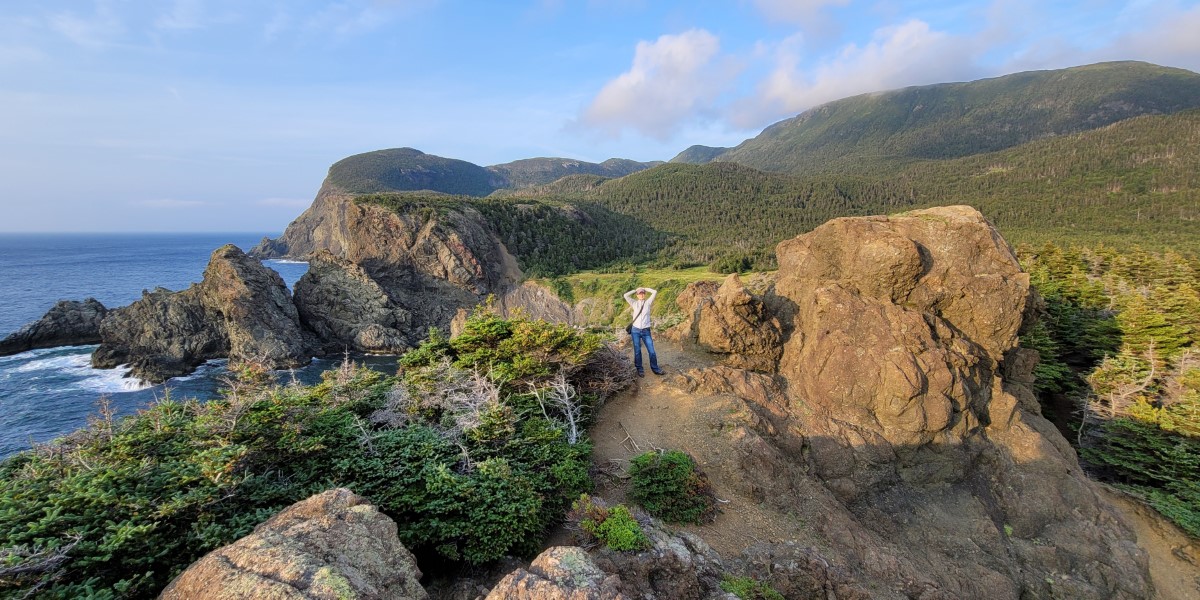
column 331, row 546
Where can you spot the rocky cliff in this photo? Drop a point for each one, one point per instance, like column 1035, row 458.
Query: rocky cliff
column 68, row 323
column 427, row 265
column 896, row 413
column 241, row 310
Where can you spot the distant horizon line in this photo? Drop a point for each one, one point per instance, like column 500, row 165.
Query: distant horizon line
column 139, row 232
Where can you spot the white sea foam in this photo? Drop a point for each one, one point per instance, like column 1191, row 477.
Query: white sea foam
column 287, row 261
column 209, row 367
column 20, row 360
column 110, row 381
column 69, row 367
column 53, row 363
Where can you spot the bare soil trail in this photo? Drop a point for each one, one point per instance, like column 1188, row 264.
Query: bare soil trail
column 1174, row 557
column 658, row 412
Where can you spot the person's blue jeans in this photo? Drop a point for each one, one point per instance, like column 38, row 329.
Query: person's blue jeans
column 642, row 336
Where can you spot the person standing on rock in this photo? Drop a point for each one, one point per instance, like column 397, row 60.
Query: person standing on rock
column 639, row 330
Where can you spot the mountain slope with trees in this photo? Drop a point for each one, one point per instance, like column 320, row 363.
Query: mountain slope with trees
column 951, row 120
column 537, row 171
column 409, row 170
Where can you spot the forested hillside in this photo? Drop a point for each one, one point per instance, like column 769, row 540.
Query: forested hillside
column 536, row 171
column 1133, row 183
column 548, row 238
column 1120, row 367
column 410, row 170
column 951, row 120
column 407, row 169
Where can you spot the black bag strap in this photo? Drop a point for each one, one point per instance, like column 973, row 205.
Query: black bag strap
column 639, row 313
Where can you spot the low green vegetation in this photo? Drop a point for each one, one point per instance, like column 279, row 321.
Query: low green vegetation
column 747, row 588
column 1120, row 350
column 474, row 448
column 614, row 527
column 670, row 486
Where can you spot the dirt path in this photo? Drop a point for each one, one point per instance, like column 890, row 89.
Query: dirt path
column 657, row 413
column 1174, row 557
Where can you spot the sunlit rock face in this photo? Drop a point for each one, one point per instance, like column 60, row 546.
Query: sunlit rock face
column 901, row 406
column 241, row 310
column 332, row 545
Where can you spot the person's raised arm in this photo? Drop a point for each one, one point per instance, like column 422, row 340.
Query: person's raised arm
column 629, row 296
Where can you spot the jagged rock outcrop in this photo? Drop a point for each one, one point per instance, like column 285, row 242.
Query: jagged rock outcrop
column 347, row 309
column 677, row 565
column 900, row 417
column 728, row 320
column 559, row 573
column 241, row 310
column 428, row 263
column 796, row 571
column 67, row 323
column 331, row 546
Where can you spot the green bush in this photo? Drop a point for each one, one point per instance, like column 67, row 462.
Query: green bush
column 615, row 527
column 669, row 486
column 749, row 589
column 466, row 468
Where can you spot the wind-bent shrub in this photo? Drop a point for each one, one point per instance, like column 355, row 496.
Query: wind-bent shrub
column 470, row 468
column 669, row 486
column 615, row 526
column 1120, row 338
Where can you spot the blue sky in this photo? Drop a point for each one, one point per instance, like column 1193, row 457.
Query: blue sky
column 224, row 115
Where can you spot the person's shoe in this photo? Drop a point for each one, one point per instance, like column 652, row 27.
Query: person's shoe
column 659, row 372
column 641, row 373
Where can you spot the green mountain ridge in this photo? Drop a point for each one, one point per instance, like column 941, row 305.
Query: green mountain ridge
column 1083, row 173
column 952, row 120
column 698, row 155
column 1132, row 183
column 409, row 169
column 530, row 172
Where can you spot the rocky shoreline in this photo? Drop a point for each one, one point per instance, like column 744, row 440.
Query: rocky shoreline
column 377, row 282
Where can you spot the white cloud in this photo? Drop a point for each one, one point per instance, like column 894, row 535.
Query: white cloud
column 898, row 56
column 1174, row 39
column 673, row 80
column 169, row 203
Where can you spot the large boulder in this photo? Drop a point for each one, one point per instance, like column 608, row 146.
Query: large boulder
column 559, row 573
column 331, row 546
column 677, row 565
column 347, row 309
column 241, row 310
column 67, row 323
column 730, row 321
column 900, row 418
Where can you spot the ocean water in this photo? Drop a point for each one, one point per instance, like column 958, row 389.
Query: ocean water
column 47, row 393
